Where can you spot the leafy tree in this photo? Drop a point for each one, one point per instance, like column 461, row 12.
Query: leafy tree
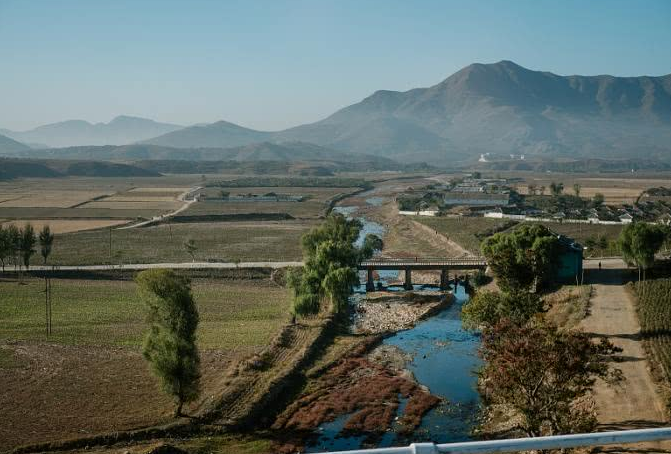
column 5, row 246
column 576, row 189
column 330, row 258
column 544, row 375
column 531, row 189
column 371, row 243
column 46, row 241
column 488, row 308
column 170, row 346
column 639, row 242
column 522, row 258
column 190, row 248
column 542, row 190
column 556, row 188
column 14, row 241
column 598, row 200
column 27, row 244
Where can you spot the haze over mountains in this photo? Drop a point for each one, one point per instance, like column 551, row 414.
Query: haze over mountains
column 499, row 108
column 120, row 131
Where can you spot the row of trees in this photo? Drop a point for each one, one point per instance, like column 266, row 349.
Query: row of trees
column 542, row 373
column 330, row 265
column 18, row 245
column 639, row 242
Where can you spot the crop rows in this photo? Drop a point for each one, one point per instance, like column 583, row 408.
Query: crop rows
column 654, row 312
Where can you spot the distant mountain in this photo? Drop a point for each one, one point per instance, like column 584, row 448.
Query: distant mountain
column 121, row 130
column 221, row 134
column 8, row 145
column 262, row 151
column 485, row 108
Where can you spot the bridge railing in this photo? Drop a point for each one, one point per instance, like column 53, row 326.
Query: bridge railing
column 427, row 260
column 526, row 444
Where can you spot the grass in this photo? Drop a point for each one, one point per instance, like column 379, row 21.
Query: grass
column 568, row 305
column 75, row 213
column 463, row 231
column 469, row 232
column 224, row 241
column 237, row 315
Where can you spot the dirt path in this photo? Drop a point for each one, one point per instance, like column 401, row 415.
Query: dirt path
column 636, row 403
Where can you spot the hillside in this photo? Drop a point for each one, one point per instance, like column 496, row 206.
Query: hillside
column 262, row 151
column 121, row 130
column 485, row 108
column 32, row 168
column 8, row 145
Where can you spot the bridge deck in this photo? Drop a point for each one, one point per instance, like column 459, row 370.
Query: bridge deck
column 424, row 263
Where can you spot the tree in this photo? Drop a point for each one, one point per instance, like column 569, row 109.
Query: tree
column 556, row 188
column 190, row 248
column 544, row 375
column 531, row 189
column 542, row 190
column 639, row 242
column 523, row 258
column 576, row 189
column 330, row 259
column 27, row 244
column 598, row 200
column 5, row 246
column 14, row 241
column 170, row 345
column 488, row 308
column 46, row 241
column 371, row 243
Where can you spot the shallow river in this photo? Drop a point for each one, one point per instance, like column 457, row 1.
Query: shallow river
column 444, row 358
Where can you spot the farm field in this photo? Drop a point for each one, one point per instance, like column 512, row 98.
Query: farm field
column 56, row 199
column 90, row 376
column 464, row 231
column 654, row 313
column 218, row 241
column 469, row 232
column 66, row 225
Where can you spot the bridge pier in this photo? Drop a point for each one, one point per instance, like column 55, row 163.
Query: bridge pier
column 370, row 282
column 407, row 284
column 444, row 279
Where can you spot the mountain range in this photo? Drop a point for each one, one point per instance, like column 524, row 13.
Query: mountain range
column 120, row 131
column 500, row 109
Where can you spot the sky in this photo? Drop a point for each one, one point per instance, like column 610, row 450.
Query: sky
column 272, row 64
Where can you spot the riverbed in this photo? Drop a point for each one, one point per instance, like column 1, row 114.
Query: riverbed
column 439, row 354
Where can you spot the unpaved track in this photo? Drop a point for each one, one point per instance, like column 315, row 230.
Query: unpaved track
column 636, row 404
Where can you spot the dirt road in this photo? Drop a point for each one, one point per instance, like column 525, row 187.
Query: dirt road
column 636, row 403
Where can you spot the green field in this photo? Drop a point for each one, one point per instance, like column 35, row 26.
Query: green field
column 469, row 232
column 223, row 241
column 463, row 231
column 654, row 314
column 239, row 316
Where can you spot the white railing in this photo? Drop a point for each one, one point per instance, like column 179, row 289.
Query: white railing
column 526, row 444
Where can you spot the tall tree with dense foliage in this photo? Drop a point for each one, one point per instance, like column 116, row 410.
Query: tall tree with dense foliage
column 27, row 244
column 330, row 259
column 46, row 241
column 545, row 375
column 486, row 308
column 522, row 258
column 14, row 241
column 5, row 246
column 556, row 188
column 639, row 242
column 170, row 346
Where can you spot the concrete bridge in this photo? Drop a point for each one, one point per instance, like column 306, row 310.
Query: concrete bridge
column 444, row 265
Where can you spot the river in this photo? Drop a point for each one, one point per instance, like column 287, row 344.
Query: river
column 444, row 359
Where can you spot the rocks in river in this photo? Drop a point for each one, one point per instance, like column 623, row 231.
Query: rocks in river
column 388, row 312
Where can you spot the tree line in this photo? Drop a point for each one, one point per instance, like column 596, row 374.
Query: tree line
column 17, row 245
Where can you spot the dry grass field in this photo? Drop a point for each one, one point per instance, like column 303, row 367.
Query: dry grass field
column 57, row 199
column 90, row 377
column 158, row 206
column 612, row 196
column 58, row 226
column 218, row 241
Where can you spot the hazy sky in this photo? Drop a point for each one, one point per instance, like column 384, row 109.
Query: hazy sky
column 273, row 64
